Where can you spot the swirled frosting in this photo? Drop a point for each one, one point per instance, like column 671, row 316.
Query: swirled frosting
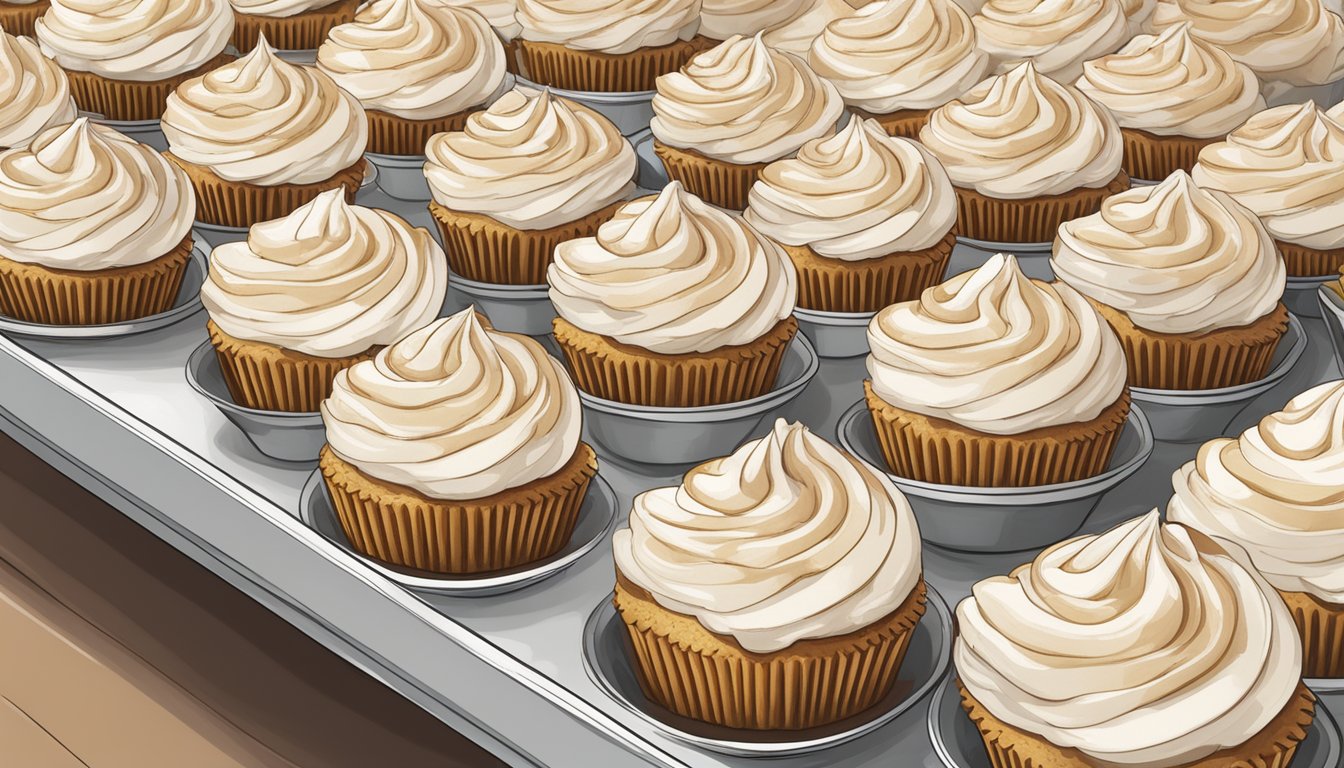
column 721, row 19
column 900, row 54
column 1140, row 15
column 34, row 92
column 1287, row 165
column 501, row 15
column 787, row 539
column 328, row 280
column 1173, row 84
column 531, row 161
column 1293, row 41
column 609, row 26
column 859, row 194
column 85, row 197
column 456, row 410
column 797, row 34
column 997, row 352
column 743, row 103
column 137, row 40
column 1021, row 135
column 674, row 275
column 264, row 121
column 277, row 9
column 1175, row 258
column 1056, row 35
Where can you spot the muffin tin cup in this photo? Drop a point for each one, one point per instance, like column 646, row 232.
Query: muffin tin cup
column 835, row 335
column 525, row 309
column 1326, row 96
column 631, row 112
column 148, row 132
column 303, row 56
column 1332, row 312
column 1302, row 294
column 401, row 176
column 969, row 253
column 652, row 176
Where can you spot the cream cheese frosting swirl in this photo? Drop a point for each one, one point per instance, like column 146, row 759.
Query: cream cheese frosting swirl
column 456, row 411
column 797, row 34
column 264, row 121
column 859, row 194
column 415, row 60
column 1140, row 15
column 1174, row 257
column 1021, row 135
column 277, row 9
column 501, row 15
column 1149, row 645
column 34, row 92
column 609, row 26
column 997, row 352
column 743, row 103
column 787, row 539
column 85, row 197
column 900, row 54
column 136, row 40
column 1056, row 35
column 721, row 19
column 531, row 161
column 674, row 275
column 328, row 280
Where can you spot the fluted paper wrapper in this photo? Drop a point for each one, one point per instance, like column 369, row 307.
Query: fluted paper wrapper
column 1154, row 158
column 1302, row 261
column 1321, row 626
column 1031, row 220
column 302, row 32
column 867, row 285
column 269, row 378
column 393, row 135
column 717, row 182
column 239, row 204
column 904, row 123
column 22, row 19
column 399, row 526
column 574, row 70
column 131, row 100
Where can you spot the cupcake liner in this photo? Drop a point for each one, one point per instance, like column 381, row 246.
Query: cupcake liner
column 270, row 378
column 709, row 677
column 717, row 182
column 1302, row 261
column 239, row 204
column 511, row 57
column 393, row 135
column 904, row 123
column 574, row 70
column 934, row 450
column 635, row 376
column 22, row 19
column 37, row 294
column 301, row 32
column 129, row 100
column 396, row 525
column 485, row 250
column 867, row 285
column 1153, row 158
column 1032, row 220
column 1321, row 626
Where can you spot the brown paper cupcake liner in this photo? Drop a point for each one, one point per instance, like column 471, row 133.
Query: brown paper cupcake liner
column 1033, row 220
column 393, row 135
column 22, row 19
column 1321, row 626
column 488, row 251
column 239, row 204
column 704, row 676
column 867, row 285
column 301, row 32
column 1302, row 261
column 37, row 294
column 717, row 182
column 628, row 374
column 128, row 100
column 904, row 123
column 934, row 450
column 1153, row 158
column 269, row 378
column 511, row 57
column 398, row 526
column 574, row 70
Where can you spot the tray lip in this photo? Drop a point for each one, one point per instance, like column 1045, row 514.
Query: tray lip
column 201, row 355
column 1237, row 393
column 1326, row 294
column 835, row 319
column 1016, row 249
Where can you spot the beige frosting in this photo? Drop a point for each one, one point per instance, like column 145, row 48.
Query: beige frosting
column 264, row 121
column 609, row 26
column 85, row 197
column 502, row 15
column 1293, row 41
column 1173, row 84
column 859, row 194
column 1174, row 257
column 742, row 102
column 34, row 92
column 1140, row 15
column 277, row 9
column 797, row 34
column 787, row 539
column 1056, row 35
column 1149, row 645
column 328, row 280
column 456, row 411
column 138, row 40
column 674, row 275
column 721, row 19
column 1021, row 135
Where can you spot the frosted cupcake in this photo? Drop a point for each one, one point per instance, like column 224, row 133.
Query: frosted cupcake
column 734, row 109
column 866, row 218
column 34, row 92
column 796, row 35
column 1057, row 36
column 289, row 25
column 501, row 15
column 674, row 303
column 788, row 572
column 308, row 295
column 526, row 174
column 94, row 228
column 19, row 17
column 721, row 19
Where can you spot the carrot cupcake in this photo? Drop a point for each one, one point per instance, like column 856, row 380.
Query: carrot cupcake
column 289, row 25
column 721, row 19
column 34, row 92
column 788, row 573
column 19, row 17
column 1057, row 36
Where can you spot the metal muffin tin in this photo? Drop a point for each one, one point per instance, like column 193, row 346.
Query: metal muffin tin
column 1033, row 258
column 525, row 309
column 629, row 111
column 148, row 132
column 401, row 176
column 1332, row 312
column 835, row 334
column 1301, row 294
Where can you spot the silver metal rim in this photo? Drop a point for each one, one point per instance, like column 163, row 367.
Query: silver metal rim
column 1202, row 397
column 600, row 97
column 1017, row 249
column 206, row 350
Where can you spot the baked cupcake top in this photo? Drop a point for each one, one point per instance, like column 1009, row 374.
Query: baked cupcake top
column 997, row 352
column 501, row 15
column 609, row 26
column 85, row 197
column 742, row 102
column 532, row 161
column 1148, row 645
column 328, row 280
column 673, row 274
column 1174, row 257
column 1021, row 135
column 277, row 9
column 1056, row 35
column 721, row 19
column 859, row 194
column 787, row 539
column 797, row 34
column 264, row 121
column 900, row 54
column 136, row 40
column 1278, row 491
column 1173, row 84
column 1287, row 165
column 34, row 92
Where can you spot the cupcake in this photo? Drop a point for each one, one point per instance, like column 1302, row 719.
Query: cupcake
column 311, row 294
column 1148, row 645
column 1188, row 278
column 260, row 137
column 19, row 17
column 501, row 15
column 456, row 450
column 787, row 575
column 94, row 228
column 674, row 303
column 290, row 25
column 995, row 380
column 734, row 109
column 1278, row 491
column 124, row 57
column 866, row 218
column 1172, row 95
column 34, row 92
column 1025, row 153
column 894, row 60
column 523, row 176
column 721, row 19
column 798, row 33
column 1057, row 36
